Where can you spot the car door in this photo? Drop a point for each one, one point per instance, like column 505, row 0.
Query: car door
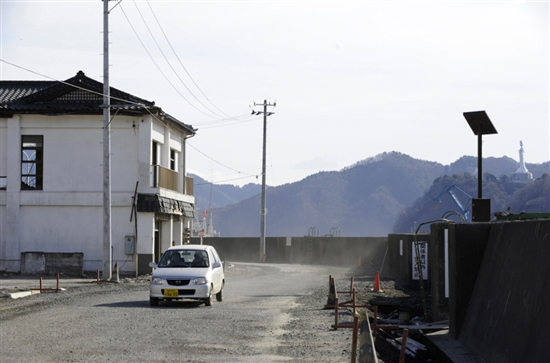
column 217, row 273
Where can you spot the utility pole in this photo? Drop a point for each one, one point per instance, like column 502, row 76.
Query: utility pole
column 107, row 253
column 263, row 210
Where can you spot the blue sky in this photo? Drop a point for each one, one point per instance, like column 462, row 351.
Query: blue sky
column 351, row 79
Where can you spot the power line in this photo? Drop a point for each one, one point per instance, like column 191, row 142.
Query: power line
column 216, row 125
column 146, row 108
column 170, row 64
column 130, row 102
column 208, row 124
column 72, row 85
column 181, row 63
column 172, row 68
column 217, row 162
column 158, row 67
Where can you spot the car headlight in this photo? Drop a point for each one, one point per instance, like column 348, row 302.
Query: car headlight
column 156, row 280
column 200, row 281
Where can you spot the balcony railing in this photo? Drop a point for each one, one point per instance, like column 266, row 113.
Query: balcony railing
column 162, row 177
column 189, row 186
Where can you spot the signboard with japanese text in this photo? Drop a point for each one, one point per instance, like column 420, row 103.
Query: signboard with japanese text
column 423, row 252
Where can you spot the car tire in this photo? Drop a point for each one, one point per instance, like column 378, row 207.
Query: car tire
column 208, row 300
column 219, row 295
column 153, row 301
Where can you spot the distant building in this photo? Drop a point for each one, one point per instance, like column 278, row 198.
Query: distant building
column 522, row 174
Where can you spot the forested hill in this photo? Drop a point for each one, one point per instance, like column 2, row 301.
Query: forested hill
column 506, row 196
column 362, row 200
column 373, row 197
column 212, row 196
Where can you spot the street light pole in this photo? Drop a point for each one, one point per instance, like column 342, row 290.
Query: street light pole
column 263, row 209
column 481, row 125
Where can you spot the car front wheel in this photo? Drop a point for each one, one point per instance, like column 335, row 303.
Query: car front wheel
column 208, row 300
column 153, row 301
column 219, row 295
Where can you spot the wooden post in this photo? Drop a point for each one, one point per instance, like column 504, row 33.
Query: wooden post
column 403, row 345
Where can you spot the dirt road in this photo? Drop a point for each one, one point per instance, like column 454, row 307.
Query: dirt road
column 270, row 313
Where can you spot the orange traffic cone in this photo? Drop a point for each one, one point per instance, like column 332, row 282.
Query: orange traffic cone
column 376, row 287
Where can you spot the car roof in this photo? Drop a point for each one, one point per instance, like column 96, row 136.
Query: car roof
column 190, row 247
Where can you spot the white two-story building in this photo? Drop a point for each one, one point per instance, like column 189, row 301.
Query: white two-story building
column 51, row 175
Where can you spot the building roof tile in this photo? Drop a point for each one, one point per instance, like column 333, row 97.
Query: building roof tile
column 77, row 95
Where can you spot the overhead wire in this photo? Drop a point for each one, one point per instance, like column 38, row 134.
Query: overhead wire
column 225, row 166
column 146, row 108
column 169, row 63
column 72, row 85
column 212, row 126
column 181, row 63
column 248, row 175
column 216, row 115
column 158, row 67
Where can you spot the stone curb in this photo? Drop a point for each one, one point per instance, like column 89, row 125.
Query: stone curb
column 17, row 295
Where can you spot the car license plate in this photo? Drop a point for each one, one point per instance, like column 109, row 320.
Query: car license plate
column 171, row 293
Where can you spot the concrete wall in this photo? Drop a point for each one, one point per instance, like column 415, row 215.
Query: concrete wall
column 337, row 251
column 508, row 313
column 69, row 264
column 399, row 259
column 467, row 244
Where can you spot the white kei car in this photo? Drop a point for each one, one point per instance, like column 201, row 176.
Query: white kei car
column 187, row 272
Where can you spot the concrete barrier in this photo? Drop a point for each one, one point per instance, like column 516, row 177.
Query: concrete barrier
column 335, row 251
column 508, row 312
column 399, row 260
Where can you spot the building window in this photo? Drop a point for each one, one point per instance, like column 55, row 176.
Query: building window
column 173, row 160
column 32, row 158
column 155, row 154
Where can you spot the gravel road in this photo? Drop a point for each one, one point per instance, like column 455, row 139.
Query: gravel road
column 270, row 313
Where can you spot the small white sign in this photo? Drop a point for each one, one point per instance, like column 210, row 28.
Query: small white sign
column 289, row 241
column 423, row 252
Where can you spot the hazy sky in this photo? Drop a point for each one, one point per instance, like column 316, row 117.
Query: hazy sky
column 351, row 79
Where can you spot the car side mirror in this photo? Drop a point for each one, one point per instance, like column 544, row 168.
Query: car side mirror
column 216, row 265
column 153, row 265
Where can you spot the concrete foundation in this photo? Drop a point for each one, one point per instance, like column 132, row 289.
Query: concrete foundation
column 70, row 263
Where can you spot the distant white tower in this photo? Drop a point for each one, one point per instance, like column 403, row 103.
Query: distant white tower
column 522, row 174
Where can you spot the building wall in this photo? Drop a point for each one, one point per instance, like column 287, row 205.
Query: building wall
column 3, row 147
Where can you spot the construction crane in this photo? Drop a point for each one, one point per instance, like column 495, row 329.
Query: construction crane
column 464, row 210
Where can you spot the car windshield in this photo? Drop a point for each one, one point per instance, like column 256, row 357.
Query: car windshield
column 184, row 258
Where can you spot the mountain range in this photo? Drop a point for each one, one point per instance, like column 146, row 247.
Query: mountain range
column 387, row 193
